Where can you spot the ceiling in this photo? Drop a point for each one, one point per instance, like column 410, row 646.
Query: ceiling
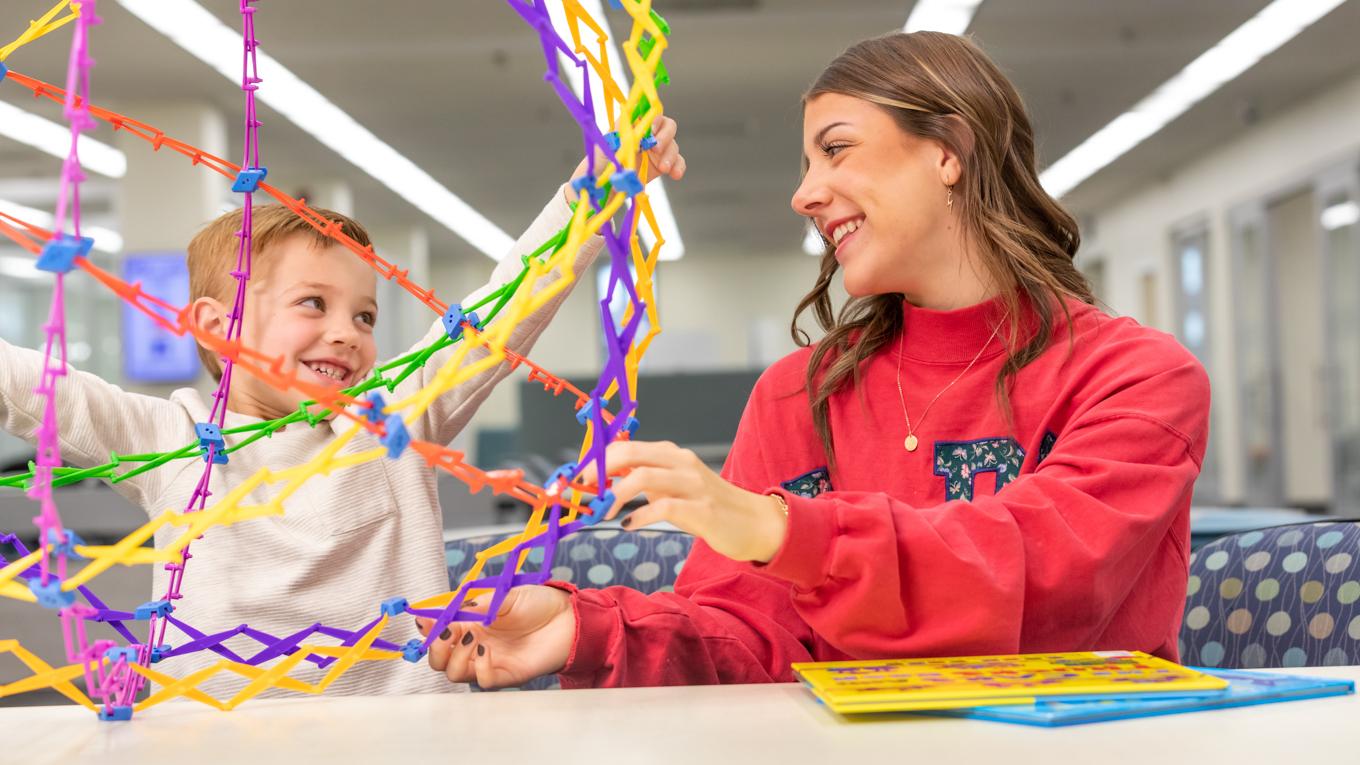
column 457, row 87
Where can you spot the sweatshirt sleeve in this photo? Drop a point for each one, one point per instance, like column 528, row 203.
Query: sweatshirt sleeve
column 1060, row 549
column 450, row 413
column 94, row 418
column 726, row 622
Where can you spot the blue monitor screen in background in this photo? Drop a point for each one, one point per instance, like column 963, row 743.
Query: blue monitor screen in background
column 152, row 354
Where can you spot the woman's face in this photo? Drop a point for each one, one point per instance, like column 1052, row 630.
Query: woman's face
column 880, row 196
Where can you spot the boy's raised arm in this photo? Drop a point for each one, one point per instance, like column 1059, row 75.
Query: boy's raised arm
column 451, row 411
column 94, row 417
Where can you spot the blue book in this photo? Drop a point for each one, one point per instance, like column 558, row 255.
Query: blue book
column 1244, row 689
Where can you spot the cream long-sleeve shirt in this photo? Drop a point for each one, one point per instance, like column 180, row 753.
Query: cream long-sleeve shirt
column 346, row 541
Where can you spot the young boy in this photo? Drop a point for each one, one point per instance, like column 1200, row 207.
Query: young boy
column 348, row 540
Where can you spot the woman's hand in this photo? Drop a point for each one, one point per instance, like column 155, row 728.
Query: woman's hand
column 532, row 636
column 681, row 489
column 664, row 157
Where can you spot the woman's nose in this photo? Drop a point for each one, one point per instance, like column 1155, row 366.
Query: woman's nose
column 810, row 196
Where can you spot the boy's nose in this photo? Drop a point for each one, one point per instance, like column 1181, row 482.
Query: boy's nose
column 343, row 333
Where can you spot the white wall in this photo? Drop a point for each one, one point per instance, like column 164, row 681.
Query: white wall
column 1134, row 235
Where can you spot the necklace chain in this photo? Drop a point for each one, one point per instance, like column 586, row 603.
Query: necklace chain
column 911, row 440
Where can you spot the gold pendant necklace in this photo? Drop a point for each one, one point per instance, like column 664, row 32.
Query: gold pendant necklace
column 911, row 442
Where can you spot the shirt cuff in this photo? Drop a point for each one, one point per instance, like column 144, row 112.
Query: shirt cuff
column 590, row 645
column 804, row 560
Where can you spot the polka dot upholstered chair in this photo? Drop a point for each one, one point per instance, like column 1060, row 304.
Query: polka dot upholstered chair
column 1281, row 597
column 648, row 561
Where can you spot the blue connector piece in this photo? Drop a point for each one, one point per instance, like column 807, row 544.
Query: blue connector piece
column 631, row 425
column 598, row 506
column 117, row 714
column 65, row 546
column 454, row 319
column 414, row 650
column 612, row 138
column 397, row 438
column 616, row 5
column 627, row 182
column 60, row 253
column 374, row 413
column 583, row 414
column 161, row 608
column 562, row 473
column 248, row 180
column 211, row 435
column 648, row 143
column 160, row 652
column 4, row 70
column 50, row 595
column 394, row 606
column 126, row 653
column 586, row 185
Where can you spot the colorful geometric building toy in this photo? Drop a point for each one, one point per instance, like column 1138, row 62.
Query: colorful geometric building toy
column 59, row 573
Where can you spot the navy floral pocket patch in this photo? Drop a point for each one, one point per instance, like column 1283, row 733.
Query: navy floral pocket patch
column 810, row 484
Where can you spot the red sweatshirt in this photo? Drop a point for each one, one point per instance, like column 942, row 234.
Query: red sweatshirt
column 1070, row 532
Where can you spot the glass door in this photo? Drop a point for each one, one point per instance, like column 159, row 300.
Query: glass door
column 1339, row 223
column 1189, row 265
column 1257, row 366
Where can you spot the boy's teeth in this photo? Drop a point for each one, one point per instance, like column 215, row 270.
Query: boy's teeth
column 326, row 370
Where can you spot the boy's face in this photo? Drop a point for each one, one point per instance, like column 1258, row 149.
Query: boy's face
column 314, row 306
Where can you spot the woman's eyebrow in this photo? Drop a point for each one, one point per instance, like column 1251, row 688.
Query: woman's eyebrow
column 822, row 133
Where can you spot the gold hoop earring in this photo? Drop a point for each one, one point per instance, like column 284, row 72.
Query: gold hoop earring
column 949, row 201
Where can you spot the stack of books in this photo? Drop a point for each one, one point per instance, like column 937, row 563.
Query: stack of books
column 1049, row 689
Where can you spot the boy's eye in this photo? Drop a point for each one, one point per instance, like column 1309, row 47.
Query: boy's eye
column 368, row 318
column 313, row 302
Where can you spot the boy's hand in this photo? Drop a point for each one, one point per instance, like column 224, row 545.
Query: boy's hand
column 532, row 636
column 665, row 157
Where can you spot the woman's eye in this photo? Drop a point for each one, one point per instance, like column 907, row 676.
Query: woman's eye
column 833, row 149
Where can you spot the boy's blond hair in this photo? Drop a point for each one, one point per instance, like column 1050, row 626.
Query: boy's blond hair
column 212, row 253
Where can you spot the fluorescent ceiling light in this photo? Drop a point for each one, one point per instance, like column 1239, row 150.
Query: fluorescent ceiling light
column 952, row 16
column 105, row 239
column 197, row 31
column 14, row 267
column 55, row 138
column 813, row 244
column 1261, row 35
column 1341, row 215
column 674, row 247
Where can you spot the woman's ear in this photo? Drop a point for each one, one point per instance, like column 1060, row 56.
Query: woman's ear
column 952, row 158
column 210, row 315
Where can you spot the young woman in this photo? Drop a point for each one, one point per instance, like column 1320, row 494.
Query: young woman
column 973, row 460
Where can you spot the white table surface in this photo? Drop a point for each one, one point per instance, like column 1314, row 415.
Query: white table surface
column 696, row 725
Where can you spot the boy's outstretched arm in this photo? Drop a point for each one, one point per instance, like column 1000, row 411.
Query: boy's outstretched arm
column 94, row 417
column 447, row 416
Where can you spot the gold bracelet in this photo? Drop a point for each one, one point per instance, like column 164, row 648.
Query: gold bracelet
column 782, row 504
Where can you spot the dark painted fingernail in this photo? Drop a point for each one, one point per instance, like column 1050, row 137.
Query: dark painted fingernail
column 481, row 650
column 626, row 522
column 467, row 638
column 446, row 634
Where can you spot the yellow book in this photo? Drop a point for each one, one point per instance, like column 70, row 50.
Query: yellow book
column 907, row 685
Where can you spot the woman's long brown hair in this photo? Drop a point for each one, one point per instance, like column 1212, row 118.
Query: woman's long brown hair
column 944, row 88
